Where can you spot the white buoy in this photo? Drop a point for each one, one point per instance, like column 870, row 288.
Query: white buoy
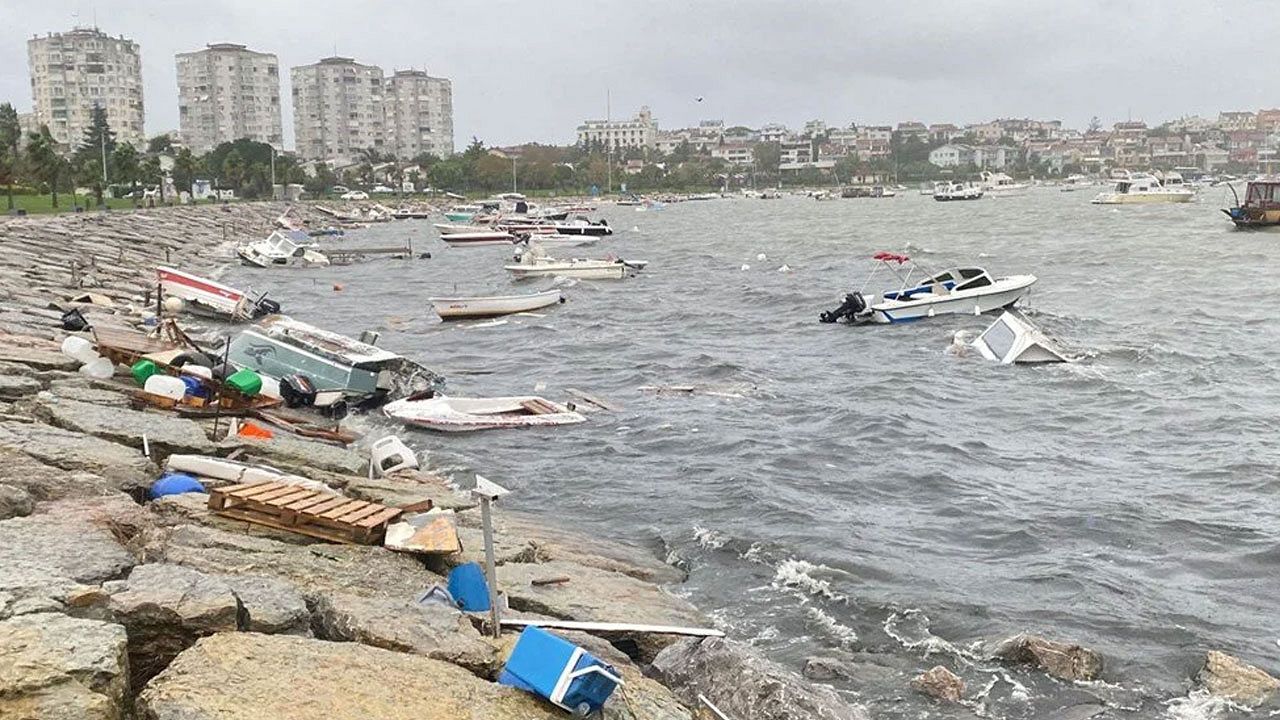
column 78, row 348
column 99, row 369
column 762, row 257
column 746, row 266
column 635, row 228
column 173, row 305
column 785, row 268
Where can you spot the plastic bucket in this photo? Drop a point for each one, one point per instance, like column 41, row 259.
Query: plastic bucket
column 78, row 348
column 246, row 381
column 166, row 386
column 270, row 387
column 99, row 369
column 199, row 371
column 195, row 387
column 143, row 370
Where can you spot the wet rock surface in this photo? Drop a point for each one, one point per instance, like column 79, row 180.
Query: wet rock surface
column 939, row 682
column 55, row 667
column 1230, row 677
column 1065, row 661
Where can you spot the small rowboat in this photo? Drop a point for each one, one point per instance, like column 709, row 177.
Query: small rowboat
column 454, row 414
column 576, row 268
column 461, row 308
column 476, row 239
column 212, row 297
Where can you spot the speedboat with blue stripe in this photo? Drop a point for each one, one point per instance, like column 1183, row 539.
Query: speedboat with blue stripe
column 956, row 290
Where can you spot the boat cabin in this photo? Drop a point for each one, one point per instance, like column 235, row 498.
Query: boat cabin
column 282, row 243
column 1137, row 184
column 948, row 281
column 1262, row 196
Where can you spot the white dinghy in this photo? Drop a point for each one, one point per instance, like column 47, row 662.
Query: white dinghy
column 1011, row 339
column 958, row 290
column 455, row 414
column 462, row 308
column 534, row 262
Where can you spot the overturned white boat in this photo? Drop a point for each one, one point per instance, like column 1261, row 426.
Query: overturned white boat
column 282, row 248
column 462, row 308
column 478, row 238
column 1011, row 339
column 455, row 414
column 958, row 290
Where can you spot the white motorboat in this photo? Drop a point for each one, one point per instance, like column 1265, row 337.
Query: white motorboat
column 478, row 238
column 455, row 414
column 535, row 262
column 210, row 297
column 958, row 290
column 461, row 308
column 1011, row 339
column 283, row 248
column 954, row 191
column 463, row 213
column 449, row 229
column 1075, row 182
column 1145, row 189
column 1001, row 185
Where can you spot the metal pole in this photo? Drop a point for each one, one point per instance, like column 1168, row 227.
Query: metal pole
column 273, row 173
column 491, row 573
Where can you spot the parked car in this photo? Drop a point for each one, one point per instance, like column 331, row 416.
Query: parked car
column 382, row 189
column 339, row 189
column 354, row 195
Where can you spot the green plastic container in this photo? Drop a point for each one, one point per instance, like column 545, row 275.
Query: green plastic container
column 142, row 370
column 246, row 381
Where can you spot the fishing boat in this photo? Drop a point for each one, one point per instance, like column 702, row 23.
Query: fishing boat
column 210, row 297
column 953, row 191
column 455, row 414
column 581, row 225
column 461, row 308
column 957, row 290
column 534, row 262
column 1144, row 189
column 478, row 238
column 282, row 248
column 999, row 185
column 1261, row 207
column 1012, row 339
column 463, row 213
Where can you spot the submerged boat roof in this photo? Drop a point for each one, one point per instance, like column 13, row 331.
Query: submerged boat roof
column 324, row 342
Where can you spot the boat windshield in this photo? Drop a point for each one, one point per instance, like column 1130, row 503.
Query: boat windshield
column 1122, row 187
column 1263, row 195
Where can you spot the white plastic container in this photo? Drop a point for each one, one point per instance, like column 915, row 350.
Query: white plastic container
column 390, row 454
column 166, row 386
column 199, row 371
column 78, row 348
column 99, row 369
column 270, row 387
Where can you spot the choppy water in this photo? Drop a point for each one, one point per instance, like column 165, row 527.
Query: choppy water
column 861, row 492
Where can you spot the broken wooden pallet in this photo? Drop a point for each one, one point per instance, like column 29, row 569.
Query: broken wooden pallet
column 308, row 512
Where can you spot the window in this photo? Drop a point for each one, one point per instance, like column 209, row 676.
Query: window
column 980, row 281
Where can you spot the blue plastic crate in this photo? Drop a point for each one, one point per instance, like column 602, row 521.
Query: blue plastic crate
column 469, row 588
column 559, row 671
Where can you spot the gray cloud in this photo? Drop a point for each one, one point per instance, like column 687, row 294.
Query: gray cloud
column 533, row 70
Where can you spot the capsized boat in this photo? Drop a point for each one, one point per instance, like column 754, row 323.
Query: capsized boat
column 478, row 238
column 456, row 414
column 461, row 308
column 211, row 297
column 954, row 191
column 958, row 290
column 1144, row 189
column 534, row 262
column 282, row 248
column 1261, row 207
column 1012, row 339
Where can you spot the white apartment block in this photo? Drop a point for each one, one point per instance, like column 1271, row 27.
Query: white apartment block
column 640, row 131
column 734, row 153
column 71, row 72
column 227, row 92
column 419, row 110
column 339, row 109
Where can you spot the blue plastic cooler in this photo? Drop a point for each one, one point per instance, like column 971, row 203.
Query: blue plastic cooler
column 559, row 671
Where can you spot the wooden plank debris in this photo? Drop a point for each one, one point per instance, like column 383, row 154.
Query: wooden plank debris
column 307, row 512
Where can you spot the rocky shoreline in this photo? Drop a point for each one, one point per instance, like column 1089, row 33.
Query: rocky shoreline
column 112, row 608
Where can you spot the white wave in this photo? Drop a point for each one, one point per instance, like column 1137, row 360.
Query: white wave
column 709, row 539
column 844, row 635
column 926, row 640
column 1199, row 705
column 753, row 554
column 802, row 575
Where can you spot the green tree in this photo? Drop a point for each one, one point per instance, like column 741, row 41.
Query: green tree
column 233, row 170
column 185, row 167
column 160, row 144
column 767, row 157
column 149, row 173
column 97, row 143
column 44, row 160
column 126, row 166
column 10, row 134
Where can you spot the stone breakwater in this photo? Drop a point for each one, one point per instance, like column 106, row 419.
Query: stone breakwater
column 112, row 609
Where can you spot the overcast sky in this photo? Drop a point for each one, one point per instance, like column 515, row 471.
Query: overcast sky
column 531, row 71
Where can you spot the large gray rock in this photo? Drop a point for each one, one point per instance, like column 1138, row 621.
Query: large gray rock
column 1232, row 678
column 939, row 682
column 247, row 676
column 123, row 467
column 46, row 356
column 193, row 509
column 166, row 608
column 17, row 387
column 301, row 455
column 745, row 685
column 408, row 488
column 78, row 389
column 270, row 605
column 1066, row 661
column 55, row 667
column 68, row 544
column 432, row 630
column 355, row 569
column 165, row 433
column 46, row 482
column 599, row 595
column 15, row 501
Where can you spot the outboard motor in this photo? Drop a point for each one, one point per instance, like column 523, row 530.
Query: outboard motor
column 265, row 307
column 297, row 391
column 853, row 305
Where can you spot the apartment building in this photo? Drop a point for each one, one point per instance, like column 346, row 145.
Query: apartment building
column 339, row 109
column 227, row 92
column 72, row 72
column 640, row 131
column 419, row 114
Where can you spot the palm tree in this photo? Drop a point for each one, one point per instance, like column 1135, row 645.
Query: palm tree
column 43, row 156
column 10, row 134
